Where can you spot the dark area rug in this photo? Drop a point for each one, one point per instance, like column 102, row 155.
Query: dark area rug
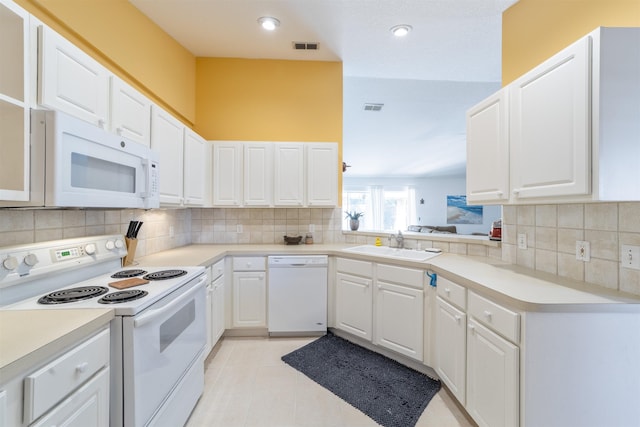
column 390, row 393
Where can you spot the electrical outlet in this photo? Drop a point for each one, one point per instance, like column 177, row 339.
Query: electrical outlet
column 630, row 257
column 171, row 231
column 583, row 251
column 312, row 228
column 522, row 241
column 239, row 228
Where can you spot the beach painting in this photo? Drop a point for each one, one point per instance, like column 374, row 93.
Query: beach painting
column 459, row 213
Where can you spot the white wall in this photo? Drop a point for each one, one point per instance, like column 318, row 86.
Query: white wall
column 434, row 191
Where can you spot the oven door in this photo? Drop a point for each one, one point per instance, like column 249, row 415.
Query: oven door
column 160, row 344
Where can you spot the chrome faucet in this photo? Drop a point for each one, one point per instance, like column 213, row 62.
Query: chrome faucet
column 399, row 240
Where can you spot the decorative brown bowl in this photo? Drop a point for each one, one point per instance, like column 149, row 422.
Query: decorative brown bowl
column 292, row 240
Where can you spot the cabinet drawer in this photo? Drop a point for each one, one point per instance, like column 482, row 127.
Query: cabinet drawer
column 452, row 292
column 217, row 270
column 255, row 263
column 50, row 384
column 401, row 275
column 352, row 266
column 500, row 319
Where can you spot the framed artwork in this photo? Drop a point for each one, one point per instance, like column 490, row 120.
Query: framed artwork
column 458, row 212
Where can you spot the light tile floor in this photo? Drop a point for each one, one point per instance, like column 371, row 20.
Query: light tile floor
column 247, row 385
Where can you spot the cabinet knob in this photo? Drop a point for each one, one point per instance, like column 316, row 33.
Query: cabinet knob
column 472, row 328
column 516, row 191
column 101, row 123
column 487, row 314
column 81, row 368
column 447, row 291
column 458, row 318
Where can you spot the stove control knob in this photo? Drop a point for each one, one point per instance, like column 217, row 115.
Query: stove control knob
column 90, row 249
column 110, row 245
column 10, row 263
column 119, row 244
column 31, row 260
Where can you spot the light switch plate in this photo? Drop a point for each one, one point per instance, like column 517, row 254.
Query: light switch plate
column 522, row 241
column 630, row 257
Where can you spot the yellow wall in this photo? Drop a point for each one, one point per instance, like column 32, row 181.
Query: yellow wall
column 129, row 44
column 269, row 100
column 534, row 30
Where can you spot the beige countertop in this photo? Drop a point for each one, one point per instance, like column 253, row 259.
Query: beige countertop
column 28, row 337
column 519, row 288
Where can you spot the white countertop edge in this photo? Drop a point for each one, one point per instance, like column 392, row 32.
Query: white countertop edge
column 490, row 277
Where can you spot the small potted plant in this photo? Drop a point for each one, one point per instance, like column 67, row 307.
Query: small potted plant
column 354, row 219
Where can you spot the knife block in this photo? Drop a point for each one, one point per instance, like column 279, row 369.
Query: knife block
column 131, row 251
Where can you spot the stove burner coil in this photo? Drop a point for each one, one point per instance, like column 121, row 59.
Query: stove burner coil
column 125, row 274
column 122, row 296
column 64, row 296
column 165, row 274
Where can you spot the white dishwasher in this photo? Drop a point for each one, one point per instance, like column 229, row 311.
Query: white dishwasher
column 297, row 295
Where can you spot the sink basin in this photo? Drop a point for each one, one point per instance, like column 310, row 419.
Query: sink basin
column 387, row 252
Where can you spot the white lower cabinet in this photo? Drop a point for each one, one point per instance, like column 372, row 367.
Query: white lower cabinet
column 492, row 378
column 354, row 304
column 249, row 294
column 451, row 348
column 215, row 304
column 381, row 303
column 399, row 310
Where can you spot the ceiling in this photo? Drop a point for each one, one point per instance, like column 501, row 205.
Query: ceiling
column 448, row 62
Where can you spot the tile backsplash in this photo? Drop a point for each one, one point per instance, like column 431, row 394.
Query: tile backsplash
column 553, row 230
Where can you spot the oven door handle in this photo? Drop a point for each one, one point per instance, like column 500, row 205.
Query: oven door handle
column 152, row 314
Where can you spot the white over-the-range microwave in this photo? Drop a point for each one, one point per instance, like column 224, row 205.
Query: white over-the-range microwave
column 77, row 164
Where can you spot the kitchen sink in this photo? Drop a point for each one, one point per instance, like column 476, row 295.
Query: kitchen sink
column 396, row 253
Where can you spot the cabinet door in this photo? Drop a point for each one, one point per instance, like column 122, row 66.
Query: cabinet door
column 258, row 174
column 209, row 321
column 488, row 150
column 218, row 314
column 354, row 304
column 451, row 348
column 249, row 299
column 227, row 174
column 289, row 174
column 87, row 406
column 72, row 81
column 14, row 103
column 195, row 168
column 550, row 126
column 167, row 139
column 492, row 378
column 399, row 313
column 130, row 112
column 322, row 174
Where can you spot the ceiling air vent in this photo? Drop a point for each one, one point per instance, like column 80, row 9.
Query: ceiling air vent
column 306, row 45
column 373, row 107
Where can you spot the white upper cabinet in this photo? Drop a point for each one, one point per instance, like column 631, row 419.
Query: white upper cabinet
column 197, row 162
column 289, row 174
column 70, row 80
column 488, row 149
column 130, row 112
column 227, row 174
column 258, row 174
column 573, row 127
column 14, row 102
column 322, row 174
column 167, row 139
column 550, row 144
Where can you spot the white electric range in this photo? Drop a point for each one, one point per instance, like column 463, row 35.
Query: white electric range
column 158, row 333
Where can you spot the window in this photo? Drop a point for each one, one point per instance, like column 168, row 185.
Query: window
column 385, row 207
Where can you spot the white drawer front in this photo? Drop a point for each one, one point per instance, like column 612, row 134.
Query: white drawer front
column 452, row 292
column 217, row 270
column 352, row 266
column 500, row 319
column 50, row 384
column 255, row 263
column 401, row 275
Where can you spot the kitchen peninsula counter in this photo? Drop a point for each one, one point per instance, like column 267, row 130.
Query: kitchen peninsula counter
column 518, row 287
column 29, row 336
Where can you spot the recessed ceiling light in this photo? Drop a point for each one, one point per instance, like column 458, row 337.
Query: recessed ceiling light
column 268, row 23
column 400, row 30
